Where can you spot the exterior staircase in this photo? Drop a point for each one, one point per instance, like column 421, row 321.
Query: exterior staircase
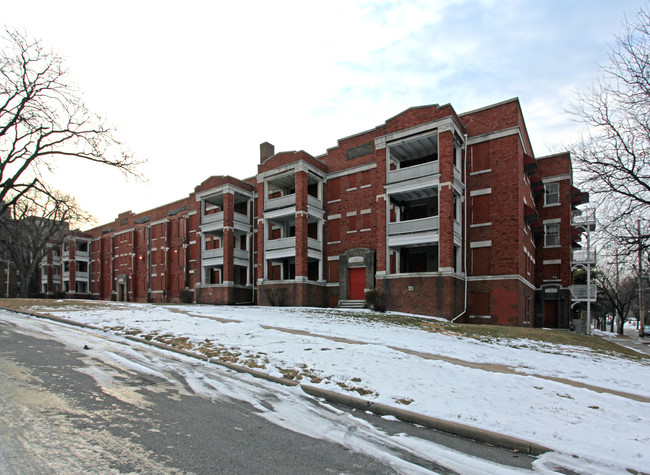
column 352, row 303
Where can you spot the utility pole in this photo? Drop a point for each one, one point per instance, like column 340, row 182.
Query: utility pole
column 616, row 314
column 8, row 274
column 641, row 309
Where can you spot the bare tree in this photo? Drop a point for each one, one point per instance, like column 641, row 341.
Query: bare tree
column 613, row 156
column 42, row 119
column 619, row 295
column 33, row 222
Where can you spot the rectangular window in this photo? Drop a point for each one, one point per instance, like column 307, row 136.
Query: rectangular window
column 480, row 303
column 365, row 178
column 552, row 194
column 366, row 221
column 352, row 223
column 480, row 209
column 333, row 271
column 481, row 261
column 552, row 234
column 335, row 225
column 481, row 156
column 334, row 187
column 352, row 181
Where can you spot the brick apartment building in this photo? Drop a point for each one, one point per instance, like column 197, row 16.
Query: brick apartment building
column 448, row 214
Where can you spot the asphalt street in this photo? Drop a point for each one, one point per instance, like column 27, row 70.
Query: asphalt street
column 117, row 406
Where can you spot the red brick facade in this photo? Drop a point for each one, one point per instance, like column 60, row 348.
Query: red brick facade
column 448, row 215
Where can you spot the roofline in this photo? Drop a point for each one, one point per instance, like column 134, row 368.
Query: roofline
column 491, row 106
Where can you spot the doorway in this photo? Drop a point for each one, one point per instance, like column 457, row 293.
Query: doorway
column 357, row 280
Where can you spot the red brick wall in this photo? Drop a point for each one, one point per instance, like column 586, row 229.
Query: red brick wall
column 424, row 295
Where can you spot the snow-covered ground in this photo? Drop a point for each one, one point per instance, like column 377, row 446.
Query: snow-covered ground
column 593, row 406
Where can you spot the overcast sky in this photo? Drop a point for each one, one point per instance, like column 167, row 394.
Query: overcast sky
column 194, row 87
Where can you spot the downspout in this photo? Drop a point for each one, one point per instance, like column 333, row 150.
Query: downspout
column 465, row 243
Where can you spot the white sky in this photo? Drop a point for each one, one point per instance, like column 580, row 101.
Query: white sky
column 195, row 87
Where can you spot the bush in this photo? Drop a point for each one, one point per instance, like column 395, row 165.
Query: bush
column 375, row 300
column 187, row 296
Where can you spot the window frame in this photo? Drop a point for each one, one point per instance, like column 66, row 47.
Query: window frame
column 555, row 194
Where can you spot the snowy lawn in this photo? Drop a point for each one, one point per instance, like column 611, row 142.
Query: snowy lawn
column 578, row 395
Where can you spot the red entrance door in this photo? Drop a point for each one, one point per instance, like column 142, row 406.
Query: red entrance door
column 550, row 314
column 357, row 279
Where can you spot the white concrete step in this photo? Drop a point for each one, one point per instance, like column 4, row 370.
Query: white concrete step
column 352, row 303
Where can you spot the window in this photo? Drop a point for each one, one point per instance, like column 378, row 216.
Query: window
column 552, row 194
column 352, row 181
column 552, row 234
column 334, row 189
column 480, row 303
column 481, row 157
column 480, row 209
column 366, row 221
column 352, row 223
column 365, row 178
column 334, row 226
column 480, row 261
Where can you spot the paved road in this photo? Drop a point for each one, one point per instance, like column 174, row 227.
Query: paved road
column 123, row 407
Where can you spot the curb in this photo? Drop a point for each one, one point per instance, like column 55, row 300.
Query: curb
column 442, row 425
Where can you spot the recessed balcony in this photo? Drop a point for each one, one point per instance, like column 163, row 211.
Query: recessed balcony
column 280, row 202
column 413, row 172
column 414, row 226
column 281, row 244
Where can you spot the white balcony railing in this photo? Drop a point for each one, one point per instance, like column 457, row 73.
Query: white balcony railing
column 216, row 218
column 579, row 293
column 314, row 202
column 81, row 276
column 416, row 171
column 277, row 244
column 414, row 226
column 241, row 219
column 82, row 255
column 584, row 218
column 314, row 244
column 212, row 253
column 281, row 202
column 240, row 254
column 458, row 229
column 582, row 256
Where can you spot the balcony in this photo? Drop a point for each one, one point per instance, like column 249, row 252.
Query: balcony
column 585, row 218
column 415, row 171
column 579, row 293
column 212, row 253
column 314, row 202
column 584, row 257
column 314, row 244
column 214, row 218
column 281, row 244
column 413, row 226
column 81, row 276
column 240, row 254
column 458, row 228
column 280, row 202
column 241, row 220
column 84, row 255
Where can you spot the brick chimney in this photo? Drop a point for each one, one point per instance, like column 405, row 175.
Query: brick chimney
column 267, row 150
